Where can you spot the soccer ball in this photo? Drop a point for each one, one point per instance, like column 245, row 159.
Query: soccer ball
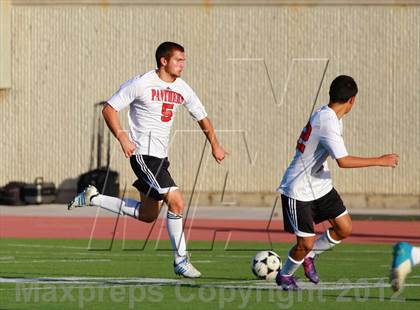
column 266, row 265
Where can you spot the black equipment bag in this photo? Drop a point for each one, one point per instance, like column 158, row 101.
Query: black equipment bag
column 12, row 194
column 106, row 181
column 102, row 177
column 39, row 192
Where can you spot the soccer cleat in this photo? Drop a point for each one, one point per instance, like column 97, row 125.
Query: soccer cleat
column 186, row 269
column 402, row 264
column 310, row 271
column 84, row 198
column 287, row 283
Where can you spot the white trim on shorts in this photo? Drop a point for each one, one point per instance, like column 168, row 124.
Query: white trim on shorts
column 153, row 182
column 303, row 234
column 293, row 219
column 166, row 190
column 342, row 214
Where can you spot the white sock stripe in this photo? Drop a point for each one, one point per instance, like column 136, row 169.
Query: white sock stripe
column 330, row 239
column 295, row 261
column 176, row 235
column 173, row 216
column 146, row 170
column 290, row 266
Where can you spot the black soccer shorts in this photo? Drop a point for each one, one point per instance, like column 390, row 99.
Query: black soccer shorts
column 299, row 216
column 154, row 179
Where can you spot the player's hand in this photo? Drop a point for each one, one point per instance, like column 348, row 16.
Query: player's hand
column 389, row 160
column 127, row 145
column 219, row 153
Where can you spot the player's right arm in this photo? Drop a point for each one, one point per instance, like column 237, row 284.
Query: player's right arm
column 387, row 160
column 112, row 120
column 120, row 100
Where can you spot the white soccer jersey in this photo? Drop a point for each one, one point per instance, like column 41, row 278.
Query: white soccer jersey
column 153, row 104
column 307, row 178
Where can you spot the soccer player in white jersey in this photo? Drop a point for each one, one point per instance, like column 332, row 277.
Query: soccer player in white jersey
column 404, row 258
column 306, row 189
column 153, row 99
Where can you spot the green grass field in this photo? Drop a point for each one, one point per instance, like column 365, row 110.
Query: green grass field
column 73, row 277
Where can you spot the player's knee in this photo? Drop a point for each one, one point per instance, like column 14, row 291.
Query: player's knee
column 308, row 247
column 305, row 246
column 347, row 231
column 149, row 216
column 344, row 231
column 151, row 219
column 177, row 207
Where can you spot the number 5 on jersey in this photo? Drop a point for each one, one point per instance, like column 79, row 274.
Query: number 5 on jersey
column 167, row 112
column 304, row 136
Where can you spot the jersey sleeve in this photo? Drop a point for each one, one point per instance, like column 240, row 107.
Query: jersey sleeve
column 331, row 139
column 194, row 106
column 125, row 95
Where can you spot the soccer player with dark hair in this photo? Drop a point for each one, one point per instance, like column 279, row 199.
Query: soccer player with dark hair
column 307, row 193
column 153, row 99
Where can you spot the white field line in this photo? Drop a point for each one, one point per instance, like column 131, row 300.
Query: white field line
column 257, row 285
column 89, row 260
column 129, row 253
column 367, row 251
column 250, row 250
column 47, row 246
column 90, row 280
column 92, row 251
column 221, row 286
column 125, row 253
column 245, row 250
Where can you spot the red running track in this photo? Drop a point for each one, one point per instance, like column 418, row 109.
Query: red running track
column 199, row 229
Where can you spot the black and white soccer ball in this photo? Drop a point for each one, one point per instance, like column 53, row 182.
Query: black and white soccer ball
column 266, row 265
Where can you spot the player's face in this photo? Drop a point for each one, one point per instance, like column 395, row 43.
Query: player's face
column 175, row 64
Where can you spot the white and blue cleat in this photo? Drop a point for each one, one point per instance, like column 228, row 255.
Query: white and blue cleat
column 84, row 198
column 402, row 263
column 186, row 269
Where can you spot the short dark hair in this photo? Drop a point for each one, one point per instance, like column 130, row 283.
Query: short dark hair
column 165, row 49
column 342, row 89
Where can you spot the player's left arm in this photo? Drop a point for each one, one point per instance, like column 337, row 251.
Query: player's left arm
column 332, row 140
column 387, row 160
column 199, row 114
column 217, row 150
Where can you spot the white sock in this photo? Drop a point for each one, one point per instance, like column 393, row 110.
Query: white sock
column 176, row 234
column 290, row 266
column 325, row 242
column 415, row 255
column 124, row 206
